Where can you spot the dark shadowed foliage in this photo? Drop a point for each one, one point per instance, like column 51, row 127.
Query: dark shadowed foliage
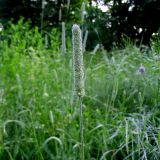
column 136, row 20
column 33, row 9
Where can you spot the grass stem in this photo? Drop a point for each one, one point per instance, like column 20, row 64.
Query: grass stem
column 81, row 131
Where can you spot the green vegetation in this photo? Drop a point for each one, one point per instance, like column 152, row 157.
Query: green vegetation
column 136, row 19
column 39, row 117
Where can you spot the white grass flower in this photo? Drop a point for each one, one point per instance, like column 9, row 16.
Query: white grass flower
column 78, row 68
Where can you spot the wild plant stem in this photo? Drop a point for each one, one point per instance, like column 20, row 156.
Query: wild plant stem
column 81, row 131
column 42, row 16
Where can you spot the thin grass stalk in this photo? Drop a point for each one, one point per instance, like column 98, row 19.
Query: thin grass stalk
column 68, row 4
column 81, row 129
column 46, row 41
column 63, row 38
column 60, row 14
column 85, row 41
column 42, row 15
column 96, row 49
column 83, row 12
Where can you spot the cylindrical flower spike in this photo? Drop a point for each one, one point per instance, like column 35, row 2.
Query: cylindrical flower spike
column 78, row 68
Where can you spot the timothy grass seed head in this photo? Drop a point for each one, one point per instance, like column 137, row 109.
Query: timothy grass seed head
column 78, row 68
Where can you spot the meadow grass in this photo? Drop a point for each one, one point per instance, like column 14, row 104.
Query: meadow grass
column 39, row 120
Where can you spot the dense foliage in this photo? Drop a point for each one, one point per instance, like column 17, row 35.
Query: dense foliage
column 136, row 19
column 39, row 116
column 54, row 11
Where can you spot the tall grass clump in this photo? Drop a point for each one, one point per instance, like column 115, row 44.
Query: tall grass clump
column 78, row 76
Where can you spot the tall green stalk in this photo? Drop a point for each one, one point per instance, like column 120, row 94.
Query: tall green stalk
column 42, row 15
column 78, row 77
column 63, row 46
column 81, row 129
column 85, row 41
column 83, row 13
